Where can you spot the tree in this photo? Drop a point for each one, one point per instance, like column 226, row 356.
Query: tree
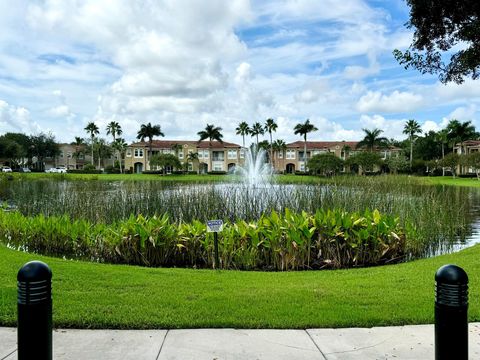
column 101, row 150
column 149, row 131
column 271, row 126
column 42, row 146
column 442, row 138
column 450, row 161
column 326, row 164
column 191, row 158
column 243, row 129
column 473, row 160
column 164, row 160
column 303, row 130
column 211, row 133
column 120, row 146
column 15, row 147
column 92, row 130
column 411, row 128
column 365, row 160
column 459, row 132
column 11, row 150
column 280, row 146
column 397, row 163
column 257, row 129
column 114, row 129
column 372, row 139
column 441, row 26
column 176, row 149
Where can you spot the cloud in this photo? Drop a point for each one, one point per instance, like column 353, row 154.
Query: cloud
column 391, row 128
column 16, row 119
column 376, row 101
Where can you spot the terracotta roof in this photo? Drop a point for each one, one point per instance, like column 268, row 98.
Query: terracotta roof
column 322, row 144
column 470, row 142
column 167, row 144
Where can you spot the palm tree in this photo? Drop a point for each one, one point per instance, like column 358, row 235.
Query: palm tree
column 114, row 129
column 149, row 131
column 257, row 129
column 120, row 146
column 459, row 132
column 191, row 158
column 176, row 149
column 92, row 129
column 304, row 129
column 271, row 126
column 102, row 150
column 442, row 137
column 211, row 133
column 372, row 138
column 279, row 146
column 243, row 129
column 412, row 128
column 79, row 143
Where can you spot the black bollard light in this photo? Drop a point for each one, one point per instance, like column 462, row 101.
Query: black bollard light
column 34, row 327
column 451, row 313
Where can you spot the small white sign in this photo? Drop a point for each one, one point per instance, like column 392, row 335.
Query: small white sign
column 214, row 225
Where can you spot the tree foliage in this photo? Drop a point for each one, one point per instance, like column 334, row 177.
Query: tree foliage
column 325, row 164
column 440, row 27
column 164, row 160
column 365, row 159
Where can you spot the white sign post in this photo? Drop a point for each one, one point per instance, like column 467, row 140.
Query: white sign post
column 215, row 226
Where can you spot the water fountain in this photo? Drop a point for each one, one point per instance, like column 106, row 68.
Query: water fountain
column 256, row 171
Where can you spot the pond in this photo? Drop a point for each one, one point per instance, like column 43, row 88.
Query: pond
column 445, row 218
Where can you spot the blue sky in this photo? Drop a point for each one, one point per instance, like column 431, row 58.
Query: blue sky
column 185, row 63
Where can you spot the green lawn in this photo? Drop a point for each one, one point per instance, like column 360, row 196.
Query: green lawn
column 88, row 295
column 448, row 180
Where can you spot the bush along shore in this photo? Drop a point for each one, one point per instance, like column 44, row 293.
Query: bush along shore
column 286, row 241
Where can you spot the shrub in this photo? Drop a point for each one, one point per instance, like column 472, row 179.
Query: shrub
column 277, row 241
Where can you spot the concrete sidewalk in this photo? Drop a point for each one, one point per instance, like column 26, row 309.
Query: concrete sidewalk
column 404, row 342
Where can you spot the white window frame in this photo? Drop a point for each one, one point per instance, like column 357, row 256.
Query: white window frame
column 232, row 154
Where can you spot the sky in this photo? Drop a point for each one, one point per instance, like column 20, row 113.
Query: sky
column 183, row 64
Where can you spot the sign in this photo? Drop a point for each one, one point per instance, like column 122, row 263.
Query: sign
column 214, row 225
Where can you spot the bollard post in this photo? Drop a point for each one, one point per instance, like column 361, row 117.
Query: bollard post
column 451, row 313
column 34, row 304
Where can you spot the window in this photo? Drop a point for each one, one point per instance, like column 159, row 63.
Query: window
column 180, row 154
column 69, row 155
column 81, row 156
column 242, row 154
column 232, row 154
column 280, row 154
column 190, row 167
column 61, row 154
column 217, row 167
column 290, row 154
column 205, row 154
column 138, row 153
column 129, row 152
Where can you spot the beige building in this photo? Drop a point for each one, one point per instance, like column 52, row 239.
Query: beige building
column 465, row 148
column 74, row 157
column 214, row 156
column 292, row 158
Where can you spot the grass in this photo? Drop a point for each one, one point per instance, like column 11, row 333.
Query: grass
column 90, row 295
column 448, row 180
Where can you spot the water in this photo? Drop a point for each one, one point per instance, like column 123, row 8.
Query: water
column 447, row 219
column 256, row 171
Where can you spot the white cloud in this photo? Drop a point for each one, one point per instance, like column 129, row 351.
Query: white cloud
column 464, row 113
column 376, row 101
column 16, row 119
column 390, row 128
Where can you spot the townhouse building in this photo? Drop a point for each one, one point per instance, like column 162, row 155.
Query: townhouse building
column 293, row 158
column 212, row 156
